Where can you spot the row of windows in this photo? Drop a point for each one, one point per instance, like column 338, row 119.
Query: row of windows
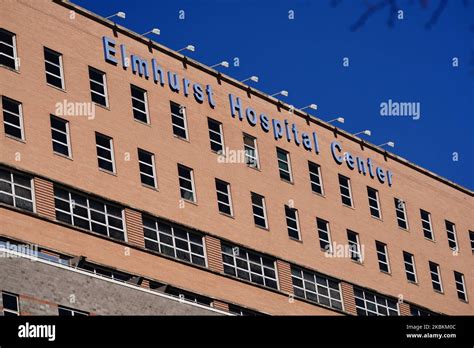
column 172, row 240
column 11, row 307
column 146, row 162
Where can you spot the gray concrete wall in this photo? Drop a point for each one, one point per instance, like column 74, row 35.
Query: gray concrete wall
column 42, row 287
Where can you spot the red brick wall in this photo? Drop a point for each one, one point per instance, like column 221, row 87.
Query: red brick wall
column 44, row 196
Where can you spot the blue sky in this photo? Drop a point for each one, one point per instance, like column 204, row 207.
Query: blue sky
column 304, row 55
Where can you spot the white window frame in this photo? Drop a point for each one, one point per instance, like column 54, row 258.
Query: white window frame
column 317, row 175
column 19, row 116
column 295, row 220
column 152, row 165
column 191, row 179
column 13, row 194
column 402, row 211
column 74, row 312
column 263, row 207
column 67, row 134
column 427, row 222
column 60, row 66
column 462, row 283
column 348, row 187
column 174, row 239
column 260, row 264
column 310, row 279
column 103, row 84
column 182, row 115
column 351, row 243
column 452, row 235
column 374, row 203
column 249, row 158
column 17, row 297
column 408, row 264
column 327, row 232
column 14, row 46
column 286, row 162
column 144, row 102
column 220, row 134
column 111, row 150
column 384, row 254
column 228, row 194
column 376, row 303
column 436, row 274
column 70, row 201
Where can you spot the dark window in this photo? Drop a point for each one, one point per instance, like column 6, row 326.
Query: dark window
column 435, row 276
column 401, row 213
column 224, row 201
column 139, row 104
column 259, row 210
column 409, row 261
column 324, row 234
column 98, row 86
column 315, row 177
column 10, row 304
column 53, row 65
column 215, row 135
column 69, row 312
column 382, row 256
column 345, row 188
column 292, row 223
column 60, row 136
column 178, row 120
column 354, row 246
column 186, row 183
column 251, row 153
column 284, row 166
column 460, row 286
column 15, row 190
column 12, row 118
column 105, row 152
column 8, row 55
column 451, row 232
column 374, row 204
column 146, row 163
column 426, row 224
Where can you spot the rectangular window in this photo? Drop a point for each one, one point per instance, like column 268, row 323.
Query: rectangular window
column 251, row 152
column 174, row 241
column 315, row 177
column 8, row 55
column 471, row 237
column 460, row 286
column 186, row 183
column 69, row 312
column 426, row 224
column 316, row 287
column 60, row 136
column 401, row 213
column 249, row 265
column 345, row 188
column 11, row 306
column 224, row 199
column 409, row 261
column 324, row 234
column 89, row 213
column 105, row 272
column 374, row 204
column 53, row 66
column 369, row 303
column 12, row 118
column 292, row 222
column 354, row 246
column 382, row 256
column 139, row 104
column 417, row 311
column 216, row 137
column 178, row 120
column 435, row 276
column 146, row 163
column 452, row 238
column 259, row 210
column 105, row 152
column 98, row 85
column 284, row 165
column 245, row 312
column 15, row 190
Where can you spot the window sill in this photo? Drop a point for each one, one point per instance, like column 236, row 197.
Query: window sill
column 15, row 138
column 227, row 215
column 107, row 172
column 386, row 273
column 188, row 201
column 56, row 88
column 296, row 240
column 62, row 155
column 348, row 206
column 101, row 106
column 360, row 263
column 430, row 240
column 404, row 229
column 438, row 292
column 288, row 182
column 151, row 187
column 10, row 69
column 254, row 168
column 262, row 228
column 318, row 194
column 412, row 282
column 181, row 138
column 376, row 218
column 143, row 123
